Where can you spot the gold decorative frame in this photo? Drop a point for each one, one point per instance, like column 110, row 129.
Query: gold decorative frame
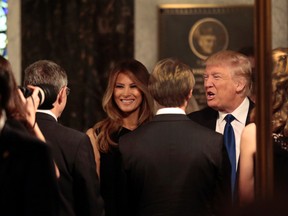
column 214, row 26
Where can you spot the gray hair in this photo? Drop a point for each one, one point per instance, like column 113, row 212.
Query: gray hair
column 45, row 72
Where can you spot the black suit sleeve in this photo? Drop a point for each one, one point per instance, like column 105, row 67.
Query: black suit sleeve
column 223, row 198
column 87, row 190
column 206, row 117
column 42, row 189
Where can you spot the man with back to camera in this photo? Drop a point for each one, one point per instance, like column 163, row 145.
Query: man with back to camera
column 172, row 165
column 227, row 82
column 72, row 150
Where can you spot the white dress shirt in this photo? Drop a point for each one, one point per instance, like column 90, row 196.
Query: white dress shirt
column 170, row 110
column 238, row 124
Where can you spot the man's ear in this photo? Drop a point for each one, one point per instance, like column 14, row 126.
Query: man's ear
column 189, row 95
column 240, row 85
column 61, row 95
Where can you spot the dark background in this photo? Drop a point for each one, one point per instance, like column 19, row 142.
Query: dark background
column 85, row 37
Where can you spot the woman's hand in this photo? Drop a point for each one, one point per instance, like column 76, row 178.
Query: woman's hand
column 31, row 104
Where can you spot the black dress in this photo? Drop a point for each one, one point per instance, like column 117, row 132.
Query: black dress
column 110, row 177
column 280, row 166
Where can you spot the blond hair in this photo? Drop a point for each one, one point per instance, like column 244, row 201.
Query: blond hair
column 171, row 82
column 239, row 65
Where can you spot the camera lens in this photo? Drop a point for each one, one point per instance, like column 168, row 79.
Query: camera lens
column 49, row 98
column 26, row 91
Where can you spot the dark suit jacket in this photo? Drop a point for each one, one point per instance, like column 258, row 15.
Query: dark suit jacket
column 208, row 116
column 73, row 154
column 28, row 184
column 174, row 166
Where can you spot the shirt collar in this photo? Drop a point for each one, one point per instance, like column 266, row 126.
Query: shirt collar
column 2, row 119
column 48, row 112
column 170, row 110
column 238, row 113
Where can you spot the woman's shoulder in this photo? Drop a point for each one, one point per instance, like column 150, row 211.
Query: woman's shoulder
column 248, row 137
column 249, row 130
column 251, row 126
column 90, row 131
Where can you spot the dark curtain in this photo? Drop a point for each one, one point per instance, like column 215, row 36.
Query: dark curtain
column 85, row 37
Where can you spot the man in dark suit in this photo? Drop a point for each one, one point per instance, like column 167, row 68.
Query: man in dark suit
column 227, row 82
column 72, row 150
column 172, row 165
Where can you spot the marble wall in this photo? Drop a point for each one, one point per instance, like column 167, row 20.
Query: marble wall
column 279, row 23
column 14, row 37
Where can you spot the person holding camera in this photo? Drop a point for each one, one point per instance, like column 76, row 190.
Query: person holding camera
column 72, row 150
column 18, row 107
column 27, row 175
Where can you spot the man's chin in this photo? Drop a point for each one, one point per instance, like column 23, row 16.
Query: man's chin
column 212, row 104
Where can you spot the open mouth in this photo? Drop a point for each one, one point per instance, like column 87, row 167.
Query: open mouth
column 210, row 95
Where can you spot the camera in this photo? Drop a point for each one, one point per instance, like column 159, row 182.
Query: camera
column 47, row 97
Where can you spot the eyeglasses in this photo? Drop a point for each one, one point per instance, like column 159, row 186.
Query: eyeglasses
column 68, row 90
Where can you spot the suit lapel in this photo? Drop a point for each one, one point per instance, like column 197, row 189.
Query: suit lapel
column 210, row 118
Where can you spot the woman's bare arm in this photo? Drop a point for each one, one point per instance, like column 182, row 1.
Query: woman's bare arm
column 246, row 172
